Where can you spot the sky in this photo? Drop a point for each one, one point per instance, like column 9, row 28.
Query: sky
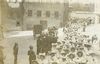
column 97, row 2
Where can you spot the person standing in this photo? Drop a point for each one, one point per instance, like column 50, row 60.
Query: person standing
column 31, row 54
column 94, row 39
column 1, row 55
column 84, row 27
column 15, row 52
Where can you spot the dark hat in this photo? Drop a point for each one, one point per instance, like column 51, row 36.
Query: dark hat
column 73, row 49
column 79, row 53
column 63, row 41
column 71, row 56
column 63, row 58
column 87, row 45
column 66, row 51
column 58, row 42
column 16, row 43
column 54, row 63
column 31, row 47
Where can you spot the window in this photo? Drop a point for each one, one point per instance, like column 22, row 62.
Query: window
column 56, row 14
column 39, row 13
column 29, row 12
column 13, row 1
column 47, row 13
column 17, row 23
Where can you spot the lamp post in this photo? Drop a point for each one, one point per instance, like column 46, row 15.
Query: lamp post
column 65, row 12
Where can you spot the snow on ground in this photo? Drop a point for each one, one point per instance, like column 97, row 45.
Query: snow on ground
column 24, row 40
column 93, row 30
column 19, row 34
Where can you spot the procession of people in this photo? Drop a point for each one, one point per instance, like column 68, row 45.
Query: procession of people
column 65, row 45
column 73, row 48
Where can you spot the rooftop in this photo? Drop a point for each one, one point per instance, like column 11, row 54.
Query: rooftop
column 47, row 1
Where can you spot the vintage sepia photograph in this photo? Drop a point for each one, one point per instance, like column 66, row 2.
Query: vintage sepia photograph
column 49, row 31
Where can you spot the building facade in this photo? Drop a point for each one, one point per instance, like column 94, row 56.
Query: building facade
column 45, row 14
column 14, row 16
column 86, row 15
column 3, row 16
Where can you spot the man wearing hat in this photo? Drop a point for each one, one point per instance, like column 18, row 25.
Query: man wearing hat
column 54, row 45
column 53, row 57
column 42, row 58
column 63, row 61
column 81, row 58
column 94, row 39
column 31, row 54
column 15, row 52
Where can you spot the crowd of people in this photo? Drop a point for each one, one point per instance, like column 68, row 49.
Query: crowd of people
column 74, row 48
column 70, row 47
column 45, row 40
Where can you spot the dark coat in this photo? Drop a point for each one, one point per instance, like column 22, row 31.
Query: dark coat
column 32, row 55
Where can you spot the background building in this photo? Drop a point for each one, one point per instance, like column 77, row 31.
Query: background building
column 15, row 16
column 45, row 14
column 3, row 16
column 51, row 13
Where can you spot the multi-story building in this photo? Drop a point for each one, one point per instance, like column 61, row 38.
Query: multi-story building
column 15, row 15
column 50, row 13
column 46, row 14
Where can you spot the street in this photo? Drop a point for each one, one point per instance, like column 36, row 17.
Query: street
column 24, row 40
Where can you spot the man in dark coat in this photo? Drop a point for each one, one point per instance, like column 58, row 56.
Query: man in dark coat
column 39, row 44
column 32, row 55
column 15, row 52
column 94, row 38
